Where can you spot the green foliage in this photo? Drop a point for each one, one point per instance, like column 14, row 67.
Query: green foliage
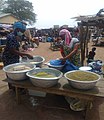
column 22, row 9
column 2, row 4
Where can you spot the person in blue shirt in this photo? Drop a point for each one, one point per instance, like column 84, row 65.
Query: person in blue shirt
column 11, row 53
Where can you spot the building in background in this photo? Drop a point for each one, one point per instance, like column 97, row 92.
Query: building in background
column 7, row 18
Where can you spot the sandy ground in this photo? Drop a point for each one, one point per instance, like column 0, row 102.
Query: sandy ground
column 51, row 107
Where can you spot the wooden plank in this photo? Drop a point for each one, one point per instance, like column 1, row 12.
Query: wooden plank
column 63, row 88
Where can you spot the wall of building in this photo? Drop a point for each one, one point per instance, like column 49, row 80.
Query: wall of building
column 8, row 19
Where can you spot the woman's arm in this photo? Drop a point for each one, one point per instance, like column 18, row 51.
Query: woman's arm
column 76, row 46
column 14, row 51
column 62, row 52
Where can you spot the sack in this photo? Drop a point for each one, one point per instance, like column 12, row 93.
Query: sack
column 69, row 67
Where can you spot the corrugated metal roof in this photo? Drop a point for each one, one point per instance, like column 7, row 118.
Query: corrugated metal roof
column 88, row 17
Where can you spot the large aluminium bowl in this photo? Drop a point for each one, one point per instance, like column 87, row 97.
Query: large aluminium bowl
column 17, row 75
column 85, row 85
column 37, row 60
column 43, row 81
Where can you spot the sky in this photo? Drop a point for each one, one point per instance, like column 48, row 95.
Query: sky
column 60, row 12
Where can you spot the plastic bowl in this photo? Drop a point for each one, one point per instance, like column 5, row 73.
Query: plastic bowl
column 86, row 68
column 58, row 67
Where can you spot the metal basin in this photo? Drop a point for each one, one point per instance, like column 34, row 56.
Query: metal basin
column 82, row 84
column 37, row 60
column 43, row 81
column 17, row 75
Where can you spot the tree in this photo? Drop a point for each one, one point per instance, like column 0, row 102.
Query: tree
column 22, row 9
column 1, row 4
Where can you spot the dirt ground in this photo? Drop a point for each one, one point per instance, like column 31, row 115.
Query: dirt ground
column 51, row 107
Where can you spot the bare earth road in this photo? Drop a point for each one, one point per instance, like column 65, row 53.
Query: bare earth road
column 51, row 107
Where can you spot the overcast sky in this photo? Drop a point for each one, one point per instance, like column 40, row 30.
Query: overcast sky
column 60, row 12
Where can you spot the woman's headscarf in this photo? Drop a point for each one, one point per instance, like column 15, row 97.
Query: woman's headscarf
column 19, row 25
column 67, row 34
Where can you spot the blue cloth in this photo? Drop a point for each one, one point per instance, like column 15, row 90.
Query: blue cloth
column 69, row 67
column 56, row 62
column 19, row 25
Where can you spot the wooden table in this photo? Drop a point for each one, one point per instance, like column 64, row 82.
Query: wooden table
column 63, row 88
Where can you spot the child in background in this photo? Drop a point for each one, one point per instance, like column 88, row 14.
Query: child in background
column 91, row 55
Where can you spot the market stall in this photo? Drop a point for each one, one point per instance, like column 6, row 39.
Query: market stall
column 88, row 25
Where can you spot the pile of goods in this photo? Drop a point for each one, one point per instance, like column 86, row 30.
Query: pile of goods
column 82, row 76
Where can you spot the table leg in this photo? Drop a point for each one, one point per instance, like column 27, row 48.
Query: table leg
column 17, row 95
column 88, row 107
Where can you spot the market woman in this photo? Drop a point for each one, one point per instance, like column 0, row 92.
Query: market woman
column 70, row 49
column 11, row 52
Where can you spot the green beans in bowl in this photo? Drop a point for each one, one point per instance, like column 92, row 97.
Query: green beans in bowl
column 82, row 79
column 44, row 77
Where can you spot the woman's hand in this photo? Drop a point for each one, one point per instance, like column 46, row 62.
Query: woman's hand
column 63, row 60
column 29, row 56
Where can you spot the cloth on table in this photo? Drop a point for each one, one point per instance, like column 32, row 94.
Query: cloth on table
column 69, row 66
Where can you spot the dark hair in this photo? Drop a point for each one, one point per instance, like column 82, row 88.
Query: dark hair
column 94, row 48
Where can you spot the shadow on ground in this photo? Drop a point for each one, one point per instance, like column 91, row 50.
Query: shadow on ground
column 51, row 107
